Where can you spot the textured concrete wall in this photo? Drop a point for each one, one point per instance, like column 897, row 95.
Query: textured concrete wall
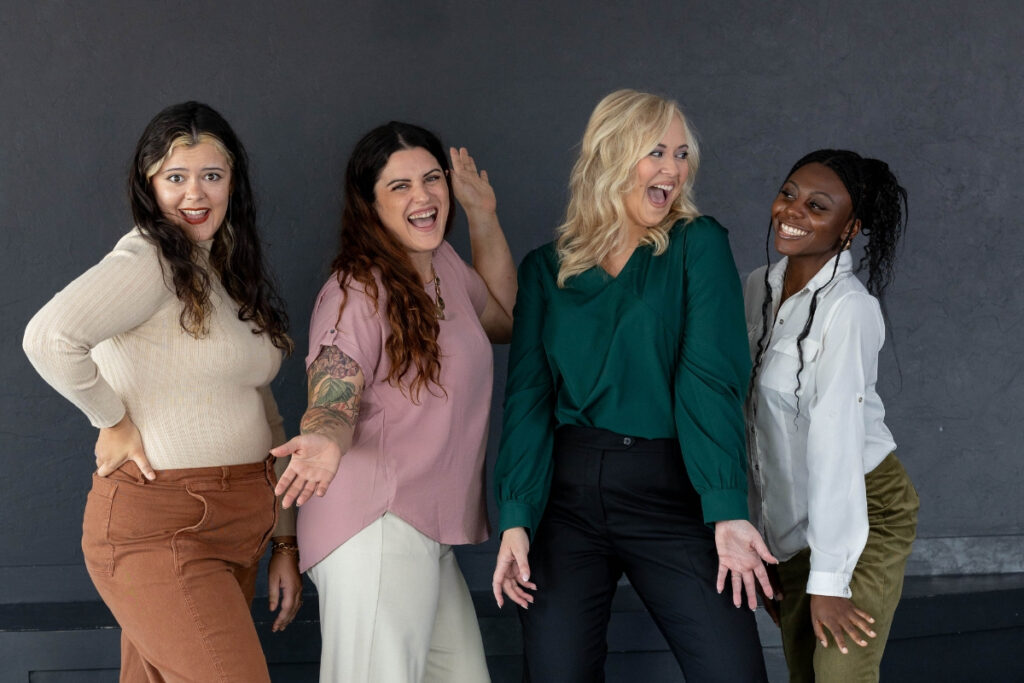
column 934, row 88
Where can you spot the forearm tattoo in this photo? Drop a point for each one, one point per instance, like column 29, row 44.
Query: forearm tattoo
column 335, row 387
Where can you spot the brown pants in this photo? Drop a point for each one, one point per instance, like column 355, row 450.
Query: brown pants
column 175, row 560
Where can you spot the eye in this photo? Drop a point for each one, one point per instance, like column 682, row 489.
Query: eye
column 816, row 206
column 399, row 186
column 657, row 154
column 785, row 193
column 682, row 155
column 433, row 178
column 174, row 178
column 212, row 176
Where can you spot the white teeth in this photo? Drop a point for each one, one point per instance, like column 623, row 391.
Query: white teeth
column 667, row 188
column 193, row 212
column 792, row 231
column 423, row 214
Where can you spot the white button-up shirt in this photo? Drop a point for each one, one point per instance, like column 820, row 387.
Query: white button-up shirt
column 808, row 461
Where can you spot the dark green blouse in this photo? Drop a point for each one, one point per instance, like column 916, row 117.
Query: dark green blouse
column 660, row 351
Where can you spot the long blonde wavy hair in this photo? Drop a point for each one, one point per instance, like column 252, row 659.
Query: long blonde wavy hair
column 625, row 126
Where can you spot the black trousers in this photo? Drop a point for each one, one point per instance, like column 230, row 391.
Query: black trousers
column 620, row 504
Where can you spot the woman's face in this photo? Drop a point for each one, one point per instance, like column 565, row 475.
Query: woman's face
column 812, row 214
column 659, row 179
column 192, row 189
column 411, row 200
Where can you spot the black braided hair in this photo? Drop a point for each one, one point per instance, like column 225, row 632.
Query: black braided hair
column 880, row 203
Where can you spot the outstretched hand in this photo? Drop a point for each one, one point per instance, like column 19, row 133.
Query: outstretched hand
column 472, row 188
column 512, row 570
column 836, row 615
column 741, row 551
column 315, row 460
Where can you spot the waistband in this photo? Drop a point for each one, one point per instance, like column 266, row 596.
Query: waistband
column 605, row 440
column 205, row 477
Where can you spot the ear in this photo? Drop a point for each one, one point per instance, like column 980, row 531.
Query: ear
column 853, row 231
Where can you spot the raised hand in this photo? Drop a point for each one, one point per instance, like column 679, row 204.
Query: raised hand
column 472, row 188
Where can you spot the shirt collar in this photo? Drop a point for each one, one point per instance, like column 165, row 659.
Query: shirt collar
column 820, row 279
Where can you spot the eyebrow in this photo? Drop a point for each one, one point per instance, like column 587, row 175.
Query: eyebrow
column 795, row 184
column 662, row 145
column 182, row 168
column 391, row 182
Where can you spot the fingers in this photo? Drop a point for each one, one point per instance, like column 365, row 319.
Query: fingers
column 750, row 586
column 284, row 483
column 865, row 616
column 291, row 601
column 140, row 460
column 287, row 448
column 762, row 550
column 737, row 589
column 764, row 581
column 819, row 633
column 720, row 582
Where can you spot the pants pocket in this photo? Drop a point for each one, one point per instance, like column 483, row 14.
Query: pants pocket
column 96, row 545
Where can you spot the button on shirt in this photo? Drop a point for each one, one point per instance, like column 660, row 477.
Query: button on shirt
column 811, row 447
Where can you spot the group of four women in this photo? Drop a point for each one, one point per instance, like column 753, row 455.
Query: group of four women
column 635, row 439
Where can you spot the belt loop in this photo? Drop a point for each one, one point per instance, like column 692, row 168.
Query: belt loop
column 225, row 482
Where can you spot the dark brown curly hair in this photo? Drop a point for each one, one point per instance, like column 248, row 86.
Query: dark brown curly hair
column 235, row 255
column 368, row 251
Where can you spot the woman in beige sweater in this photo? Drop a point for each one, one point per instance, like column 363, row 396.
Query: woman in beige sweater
column 168, row 346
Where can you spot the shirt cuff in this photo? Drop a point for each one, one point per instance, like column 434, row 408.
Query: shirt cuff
column 513, row 513
column 723, row 504
column 829, row 583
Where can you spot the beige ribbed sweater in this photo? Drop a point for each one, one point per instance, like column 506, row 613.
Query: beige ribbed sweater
column 111, row 342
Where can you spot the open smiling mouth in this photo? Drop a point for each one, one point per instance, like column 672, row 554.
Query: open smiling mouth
column 658, row 194
column 787, row 230
column 423, row 219
column 194, row 216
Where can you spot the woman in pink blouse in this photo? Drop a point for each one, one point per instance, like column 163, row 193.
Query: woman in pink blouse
column 400, row 372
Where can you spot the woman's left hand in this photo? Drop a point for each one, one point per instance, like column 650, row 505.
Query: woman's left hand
column 838, row 615
column 741, row 551
column 472, row 188
column 284, row 584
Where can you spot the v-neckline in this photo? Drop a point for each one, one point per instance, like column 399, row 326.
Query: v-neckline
column 625, row 266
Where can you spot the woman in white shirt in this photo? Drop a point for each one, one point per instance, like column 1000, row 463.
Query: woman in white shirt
column 833, row 502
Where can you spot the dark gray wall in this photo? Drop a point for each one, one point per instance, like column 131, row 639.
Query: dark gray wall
column 934, row 88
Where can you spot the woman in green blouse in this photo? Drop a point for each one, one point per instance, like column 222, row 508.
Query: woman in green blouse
column 623, row 448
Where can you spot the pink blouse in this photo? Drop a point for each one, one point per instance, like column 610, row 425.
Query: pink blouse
column 424, row 463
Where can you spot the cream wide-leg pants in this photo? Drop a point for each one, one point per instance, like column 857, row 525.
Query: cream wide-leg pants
column 395, row 608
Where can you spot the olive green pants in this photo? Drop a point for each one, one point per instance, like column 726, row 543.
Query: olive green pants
column 876, row 585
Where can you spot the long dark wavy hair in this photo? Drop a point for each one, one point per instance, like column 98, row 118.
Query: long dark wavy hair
column 879, row 202
column 235, row 256
column 368, row 248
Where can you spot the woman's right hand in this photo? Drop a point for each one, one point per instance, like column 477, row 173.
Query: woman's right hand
column 117, row 445
column 512, row 571
column 315, row 460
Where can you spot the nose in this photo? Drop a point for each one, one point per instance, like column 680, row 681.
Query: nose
column 194, row 189
column 419, row 192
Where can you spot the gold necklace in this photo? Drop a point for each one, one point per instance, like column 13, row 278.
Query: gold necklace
column 438, row 302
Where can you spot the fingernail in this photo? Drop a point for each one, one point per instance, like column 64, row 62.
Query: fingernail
column 871, row 633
